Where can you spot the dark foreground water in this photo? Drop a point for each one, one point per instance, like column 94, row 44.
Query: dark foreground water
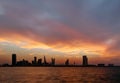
column 59, row 75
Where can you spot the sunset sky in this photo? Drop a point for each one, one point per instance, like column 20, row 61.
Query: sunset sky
column 64, row 29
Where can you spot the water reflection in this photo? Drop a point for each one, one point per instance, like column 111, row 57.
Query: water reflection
column 59, row 75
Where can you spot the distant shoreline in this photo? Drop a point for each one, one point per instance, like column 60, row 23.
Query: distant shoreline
column 61, row 66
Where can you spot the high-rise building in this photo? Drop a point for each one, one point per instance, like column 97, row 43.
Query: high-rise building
column 52, row 61
column 13, row 59
column 35, row 60
column 39, row 61
column 67, row 62
column 85, row 61
column 45, row 62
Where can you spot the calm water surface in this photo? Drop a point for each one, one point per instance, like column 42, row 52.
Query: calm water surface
column 59, row 75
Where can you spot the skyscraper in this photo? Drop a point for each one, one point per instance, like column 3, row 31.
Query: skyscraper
column 35, row 60
column 52, row 61
column 40, row 61
column 85, row 61
column 13, row 59
column 67, row 62
column 45, row 62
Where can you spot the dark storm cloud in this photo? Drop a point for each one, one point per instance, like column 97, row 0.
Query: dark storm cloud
column 64, row 21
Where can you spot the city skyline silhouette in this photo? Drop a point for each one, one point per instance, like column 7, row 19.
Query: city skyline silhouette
column 39, row 62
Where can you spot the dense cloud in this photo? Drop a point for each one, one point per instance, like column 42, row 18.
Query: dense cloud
column 65, row 22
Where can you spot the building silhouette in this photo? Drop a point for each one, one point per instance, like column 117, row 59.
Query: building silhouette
column 14, row 59
column 39, row 61
column 85, row 61
column 34, row 62
column 23, row 63
column 101, row 65
column 52, row 61
column 45, row 62
column 67, row 62
column 110, row 65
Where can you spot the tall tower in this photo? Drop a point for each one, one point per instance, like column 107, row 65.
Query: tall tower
column 40, row 61
column 67, row 62
column 85, row 61
column 45, row 62
column 13, row 59
column 52, row 61
column 35, row 60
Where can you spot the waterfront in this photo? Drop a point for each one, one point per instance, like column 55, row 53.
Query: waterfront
column 59, row 75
